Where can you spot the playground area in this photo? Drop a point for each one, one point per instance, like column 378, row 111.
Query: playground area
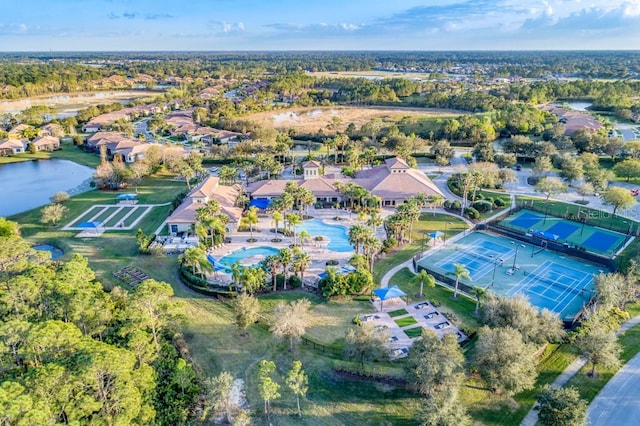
column 550, row 280
column 563, row 231
column 108, row 217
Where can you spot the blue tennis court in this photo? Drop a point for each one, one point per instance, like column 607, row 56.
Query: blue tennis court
column 563, row 229
column 601, row 242
column 555, row 287
column 479, row 259
column 526, row 220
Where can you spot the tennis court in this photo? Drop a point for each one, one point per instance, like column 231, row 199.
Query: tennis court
column 549, row 279
column 596, row 240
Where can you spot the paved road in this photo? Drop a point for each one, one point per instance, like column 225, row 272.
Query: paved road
column 619, row 402
column 628, row 135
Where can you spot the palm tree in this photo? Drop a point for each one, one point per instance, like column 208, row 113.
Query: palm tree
column 293, row 220
column 425, row 278
column 357, row 234
column 304, row 235
column 285, row 256
column 479, row 293
column 236, row 272
column 197, row 258
column 374, row 221
column 435, row 201
column 277, row 217
column 250, row 218
column 271, row 263
column 371, row 247
column 460, row 272
column 301, row 262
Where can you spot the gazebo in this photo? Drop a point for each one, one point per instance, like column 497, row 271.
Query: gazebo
column 435, row 235
column 126, row 198
column 387, row 293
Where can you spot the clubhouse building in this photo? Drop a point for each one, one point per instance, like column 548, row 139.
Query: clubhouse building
column 393, row 182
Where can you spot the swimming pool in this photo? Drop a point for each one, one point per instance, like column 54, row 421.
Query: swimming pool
column 248, row 256
column 337, row 235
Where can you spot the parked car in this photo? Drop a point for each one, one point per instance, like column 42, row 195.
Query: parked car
column 518, row 167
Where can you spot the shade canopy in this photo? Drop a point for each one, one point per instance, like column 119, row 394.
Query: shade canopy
column 261, row 203
column 89, row 225
column 126, row 197
column 545, row 235
column 387, row 293
column 435, row 234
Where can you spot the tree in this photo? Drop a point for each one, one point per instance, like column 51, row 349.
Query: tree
column 443, row 152
column 53, row 213
column 618, row 198
column 585, row 189
column 365, row 343
column 197, row 258
column 598, row 346
column 629, row 169
column 434, row 364
column 459, row 271
column 246, row 309
column 285, row 256
column 571, row 168
column 504, row 361
column 444, row 409
column 561, row 407
column 550, row 186
column 298, row 382
column 479, row 293
column 542, row 165
column 277, row 217
column 250, row 218
column 423, row 278
column 60, row 197
column 219, row 395
column 291, row 320
column 154, row 308
column 534, row 326
column 267, row 386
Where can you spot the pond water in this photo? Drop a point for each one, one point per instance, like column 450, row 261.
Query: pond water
column 55, row 252
column 28, row 185
column 577, row 105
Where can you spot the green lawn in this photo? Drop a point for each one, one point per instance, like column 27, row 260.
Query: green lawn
column 405, row 322
column 426, row 224
column 216, row 345
column 18, row 158
column 397, row 313
column 413, row 332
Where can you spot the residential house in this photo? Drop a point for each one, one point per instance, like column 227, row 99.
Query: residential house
column 573, row 120
column 17, row 131
column 183, row 218
column 12, row 147
column 46, row 143
column 393, row 182
column 52, row 129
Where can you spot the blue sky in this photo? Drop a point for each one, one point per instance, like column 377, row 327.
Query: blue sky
column 44, row 25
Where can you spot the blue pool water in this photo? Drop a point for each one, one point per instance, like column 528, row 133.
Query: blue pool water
column 337, row 235
column 241, row 255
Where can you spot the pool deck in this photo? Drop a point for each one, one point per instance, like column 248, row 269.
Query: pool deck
column 316, row 249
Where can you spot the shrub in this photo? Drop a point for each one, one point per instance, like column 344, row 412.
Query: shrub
column 389, row 244
column 499, row 202
column 435, row 302
column 295, row 281
column 356, row 320
column 332, row 262
column 446, row 204
column 482, row 206
column 490, row 199
column 478, row 196
column 471, row 213
column 456, row 205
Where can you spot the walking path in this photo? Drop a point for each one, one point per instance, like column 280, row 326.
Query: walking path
column 603, row 406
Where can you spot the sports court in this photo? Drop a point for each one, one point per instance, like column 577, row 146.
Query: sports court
column 596, row 240
column 507, row 267
column 108, row 217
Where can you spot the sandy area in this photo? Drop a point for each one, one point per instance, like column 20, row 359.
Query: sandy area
column 313, row 118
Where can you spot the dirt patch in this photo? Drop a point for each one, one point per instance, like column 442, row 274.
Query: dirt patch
column 310, row 120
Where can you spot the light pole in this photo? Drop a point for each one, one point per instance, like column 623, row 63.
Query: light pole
column 495, row 265
column 445, row 232
column 515, row 256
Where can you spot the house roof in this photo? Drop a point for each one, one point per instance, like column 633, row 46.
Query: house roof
column 380, row 181
column 12, row 144
column 19, row 128
column 209, row 188
column 311, row 163
column 396, row 163
column 45, row 141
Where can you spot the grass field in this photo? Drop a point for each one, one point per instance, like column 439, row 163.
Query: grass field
column 397, row 313
column 427, row 223
column 106, row 212
column 309, row 120
column 413, row 332
column 405, row 322
column 135, row 215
